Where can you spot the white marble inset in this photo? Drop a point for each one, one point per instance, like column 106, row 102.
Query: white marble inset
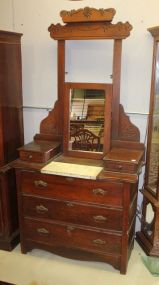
column 72, row 170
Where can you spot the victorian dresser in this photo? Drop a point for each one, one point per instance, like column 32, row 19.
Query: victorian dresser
column 77, row 180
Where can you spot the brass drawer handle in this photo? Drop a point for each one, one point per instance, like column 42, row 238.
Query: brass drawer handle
column 69, row 204
column 99, row 218
column 99, row 241
column 30, row 156
column 69, row 179
column 119, row 166
column 43, row 231
column 70, row 229
column 41, row 208
column 99, row 191
column 40, row 183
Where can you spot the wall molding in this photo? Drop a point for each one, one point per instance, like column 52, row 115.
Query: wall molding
column 50, row 108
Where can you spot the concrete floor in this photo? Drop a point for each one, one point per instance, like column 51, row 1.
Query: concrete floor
column 42, row 268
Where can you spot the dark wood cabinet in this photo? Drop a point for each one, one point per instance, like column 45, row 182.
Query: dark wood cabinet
column 11, row 134
column 82, row 216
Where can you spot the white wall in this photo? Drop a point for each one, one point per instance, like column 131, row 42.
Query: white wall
column 33, row 17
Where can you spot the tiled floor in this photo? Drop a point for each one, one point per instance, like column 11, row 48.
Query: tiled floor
column 42, row 268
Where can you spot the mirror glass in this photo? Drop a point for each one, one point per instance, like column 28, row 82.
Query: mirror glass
column 86, row 119
column 154, row 148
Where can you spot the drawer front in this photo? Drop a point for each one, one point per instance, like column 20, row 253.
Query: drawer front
column 69, row 188
column 120, row 166
column 56, row 235
column 32, row 156
column 73, row 212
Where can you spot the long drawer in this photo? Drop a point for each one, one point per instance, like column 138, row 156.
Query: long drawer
column 69, row 188
column 73, row 212
column 57, row 234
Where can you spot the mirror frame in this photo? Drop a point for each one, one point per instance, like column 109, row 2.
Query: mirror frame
column 107, row 119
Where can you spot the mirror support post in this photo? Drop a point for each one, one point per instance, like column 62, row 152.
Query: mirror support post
column 116, row 87
column 61, row 80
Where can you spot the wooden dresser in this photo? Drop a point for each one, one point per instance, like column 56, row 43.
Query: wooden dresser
column 84, row 217
column 78, row 218
column 11, row 134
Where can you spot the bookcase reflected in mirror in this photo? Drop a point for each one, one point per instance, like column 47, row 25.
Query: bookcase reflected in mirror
column 86, row 119
column 148, row 237
column 87, row 112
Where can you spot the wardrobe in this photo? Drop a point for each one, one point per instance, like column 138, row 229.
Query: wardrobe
column 11, row 134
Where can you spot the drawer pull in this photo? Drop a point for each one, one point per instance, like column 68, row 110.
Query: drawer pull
column 30, row 156
column 70, row 228
column 43, row 231
column 99, row 241
column 119, row 166
column 41, row 209
column 69, row 204
column 99, row 191
column 69, row 179
column 40, row 183
column 99, row 218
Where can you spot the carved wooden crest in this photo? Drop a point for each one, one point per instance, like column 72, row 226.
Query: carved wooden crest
column 87, row 15
column 100, row 30
column 89, row 23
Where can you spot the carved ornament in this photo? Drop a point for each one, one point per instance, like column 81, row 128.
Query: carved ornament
column 50, row 125
column 90, row 31
column 87, row 15
column 127, row 131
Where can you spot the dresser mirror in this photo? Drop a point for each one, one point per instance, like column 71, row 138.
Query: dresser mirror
column 87, row 116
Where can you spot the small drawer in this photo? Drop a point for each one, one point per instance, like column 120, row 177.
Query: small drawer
column 39, row 151
column 123, row 160
column 68, row 211
column 72, row 236
column 31, row 156
column 120, row 166
column 69, row 188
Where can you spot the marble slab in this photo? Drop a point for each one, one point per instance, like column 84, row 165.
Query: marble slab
column 72, row 170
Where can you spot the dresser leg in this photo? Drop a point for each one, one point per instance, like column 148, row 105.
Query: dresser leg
column 24, row 248
column 123, row 267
